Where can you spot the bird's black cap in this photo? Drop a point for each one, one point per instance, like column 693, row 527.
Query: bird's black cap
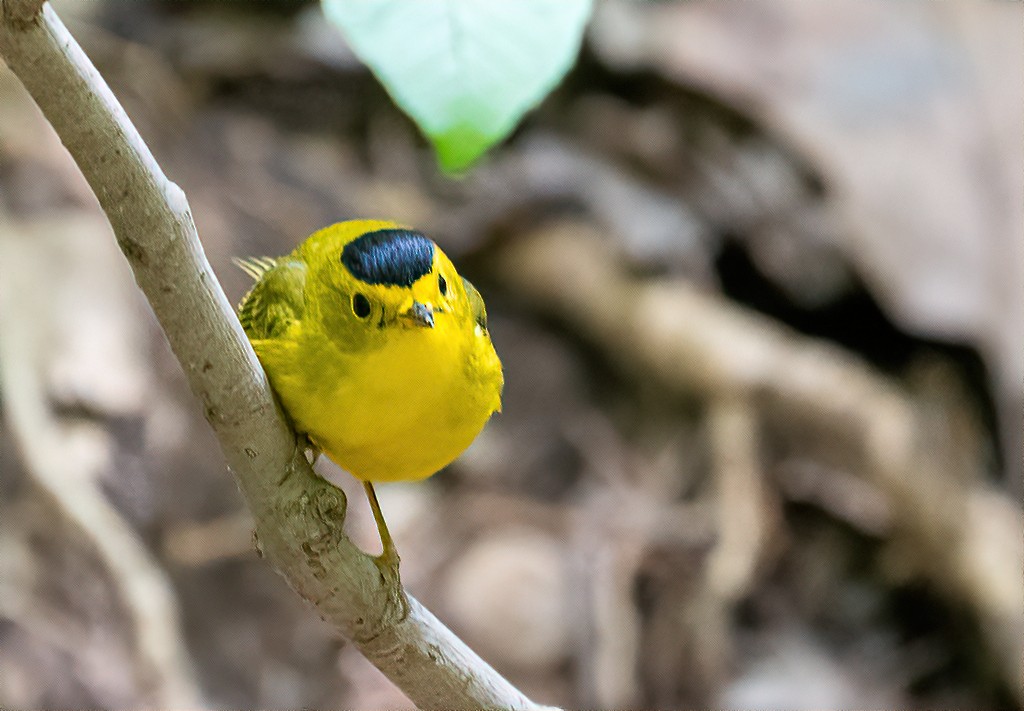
column 393, row 257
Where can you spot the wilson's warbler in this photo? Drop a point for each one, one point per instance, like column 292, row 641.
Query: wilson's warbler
column 377, row 349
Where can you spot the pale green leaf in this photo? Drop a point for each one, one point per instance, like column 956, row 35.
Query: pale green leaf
column 465, row 70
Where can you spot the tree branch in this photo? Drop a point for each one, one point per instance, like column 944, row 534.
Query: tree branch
column 298, row 516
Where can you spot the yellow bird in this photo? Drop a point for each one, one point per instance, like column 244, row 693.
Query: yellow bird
column 377, row 349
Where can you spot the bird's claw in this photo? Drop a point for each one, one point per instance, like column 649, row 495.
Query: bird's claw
column 388, row 564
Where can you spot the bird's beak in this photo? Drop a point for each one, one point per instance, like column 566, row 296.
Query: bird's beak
column 419, row 315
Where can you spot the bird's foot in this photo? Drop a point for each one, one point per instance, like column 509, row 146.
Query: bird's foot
column 388, row 564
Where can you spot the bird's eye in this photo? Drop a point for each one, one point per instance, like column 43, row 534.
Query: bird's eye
column 442, row 285
column 360, row 305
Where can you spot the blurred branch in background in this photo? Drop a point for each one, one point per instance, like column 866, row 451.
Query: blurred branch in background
column 905, row 115
column 57, row 455
column 957, row 530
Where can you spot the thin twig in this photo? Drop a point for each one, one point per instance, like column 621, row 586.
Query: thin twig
column 298, row 516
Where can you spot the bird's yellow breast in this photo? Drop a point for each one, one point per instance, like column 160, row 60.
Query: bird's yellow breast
column 400, row 412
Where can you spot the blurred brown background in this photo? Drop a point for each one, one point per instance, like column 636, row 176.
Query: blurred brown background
column 755, row 272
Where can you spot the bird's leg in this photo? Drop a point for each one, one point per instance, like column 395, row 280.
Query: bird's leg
column 389, row 557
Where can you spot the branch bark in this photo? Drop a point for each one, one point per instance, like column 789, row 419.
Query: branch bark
column 298, row 515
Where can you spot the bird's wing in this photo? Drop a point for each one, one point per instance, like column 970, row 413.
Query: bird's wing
column 276, row 300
